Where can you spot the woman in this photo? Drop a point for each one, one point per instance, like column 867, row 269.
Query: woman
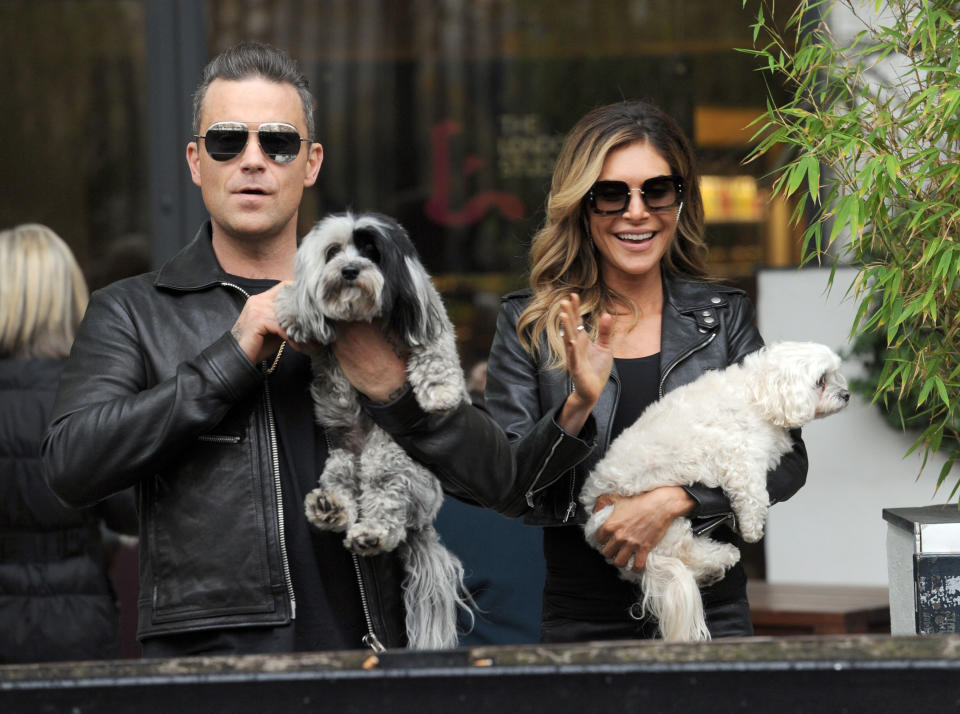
column 56, row 601
column 619, row 312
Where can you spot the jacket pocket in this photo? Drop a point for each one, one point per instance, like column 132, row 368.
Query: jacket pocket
column 208, row 550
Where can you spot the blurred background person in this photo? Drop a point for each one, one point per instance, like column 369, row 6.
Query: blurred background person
column 56, row 599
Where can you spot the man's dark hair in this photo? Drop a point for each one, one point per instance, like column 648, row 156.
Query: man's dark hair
column 254, row 59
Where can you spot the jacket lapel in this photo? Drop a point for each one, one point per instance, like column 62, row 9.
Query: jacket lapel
column 195, row 267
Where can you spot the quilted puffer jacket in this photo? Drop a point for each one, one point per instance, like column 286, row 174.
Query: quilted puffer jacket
column 56, row 601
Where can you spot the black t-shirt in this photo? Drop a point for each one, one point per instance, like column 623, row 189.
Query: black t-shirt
column 639, row 388
column 580, row 584
column 329, row 611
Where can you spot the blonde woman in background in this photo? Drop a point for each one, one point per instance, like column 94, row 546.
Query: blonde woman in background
column 56, row 600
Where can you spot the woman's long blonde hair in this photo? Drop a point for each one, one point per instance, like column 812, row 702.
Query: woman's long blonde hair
column 562, row 256
column 43, row 294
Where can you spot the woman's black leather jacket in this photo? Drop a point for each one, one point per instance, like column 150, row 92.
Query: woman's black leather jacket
column 157, row 394
column 704, row 326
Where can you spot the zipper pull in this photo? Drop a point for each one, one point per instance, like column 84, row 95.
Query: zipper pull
column 571, row 509
column 293, row 609
column 371, row 641
column 530, row 499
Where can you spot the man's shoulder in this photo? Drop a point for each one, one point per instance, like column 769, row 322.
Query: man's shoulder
column 130, row 286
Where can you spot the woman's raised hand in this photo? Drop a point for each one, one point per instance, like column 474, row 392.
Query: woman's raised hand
column 588, row 362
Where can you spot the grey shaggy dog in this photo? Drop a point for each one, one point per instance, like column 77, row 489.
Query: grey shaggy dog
column 365, row 268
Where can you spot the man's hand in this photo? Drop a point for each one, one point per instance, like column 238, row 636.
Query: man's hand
column 256, row 330
column 638, row 523
column 368, row 360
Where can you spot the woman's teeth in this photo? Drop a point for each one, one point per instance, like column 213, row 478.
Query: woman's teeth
column 635, row 237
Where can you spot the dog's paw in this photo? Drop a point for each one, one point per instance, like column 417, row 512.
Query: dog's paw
column 437, row 384
column 751, row 529
column 324, row 511
column 440, row 397
column 597, row 519
column 370, row 539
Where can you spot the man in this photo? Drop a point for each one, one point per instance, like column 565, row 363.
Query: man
column 179, row 383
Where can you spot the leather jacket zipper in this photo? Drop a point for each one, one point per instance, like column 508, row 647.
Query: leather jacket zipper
column 219, row 438
column 278, row 488
column 681, row 358
column 370, row 639
column 531, row 491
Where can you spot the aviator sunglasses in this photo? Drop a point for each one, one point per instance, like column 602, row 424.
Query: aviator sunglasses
column 226, row 139
column 659, row 193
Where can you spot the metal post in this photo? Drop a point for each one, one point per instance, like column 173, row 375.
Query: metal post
column 176, row 53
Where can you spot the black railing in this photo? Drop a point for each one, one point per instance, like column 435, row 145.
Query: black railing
column 868, row 673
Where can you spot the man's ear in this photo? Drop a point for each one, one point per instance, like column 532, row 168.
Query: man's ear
column 314, row 160
column 193, row 161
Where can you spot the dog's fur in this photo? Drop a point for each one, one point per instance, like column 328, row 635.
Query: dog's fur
column 728, row 428
column 365, row 268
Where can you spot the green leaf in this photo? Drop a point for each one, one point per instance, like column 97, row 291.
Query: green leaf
column 942, row 391
column 944, row 472
column 893, row 167
column 842, row 217
column 813, row 177
column 795, row 176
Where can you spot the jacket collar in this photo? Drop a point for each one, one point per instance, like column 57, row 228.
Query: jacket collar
column 695, row 298
column 195, row 267
column 691, row 318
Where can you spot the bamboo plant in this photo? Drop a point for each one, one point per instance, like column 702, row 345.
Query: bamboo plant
column 867, row 141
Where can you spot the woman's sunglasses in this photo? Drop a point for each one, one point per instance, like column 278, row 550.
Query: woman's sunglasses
column 226, row 139
column 660, row 193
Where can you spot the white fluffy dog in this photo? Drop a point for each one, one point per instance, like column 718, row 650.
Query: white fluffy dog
column 728, row 428
column 365, row 268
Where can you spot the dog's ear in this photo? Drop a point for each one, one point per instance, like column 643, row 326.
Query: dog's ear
column 412, row 307
column 782, row 386
column 416, row 315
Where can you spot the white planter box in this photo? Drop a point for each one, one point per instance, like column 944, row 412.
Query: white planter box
column 923, row 568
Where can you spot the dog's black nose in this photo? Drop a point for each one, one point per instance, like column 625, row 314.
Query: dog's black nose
column 845, row 396
column 349, row 272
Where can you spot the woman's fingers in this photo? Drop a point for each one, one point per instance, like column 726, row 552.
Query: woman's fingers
column 604, row 330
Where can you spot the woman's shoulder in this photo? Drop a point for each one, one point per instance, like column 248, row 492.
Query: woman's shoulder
column 521, row 295
column 690, row 293
column 514, row 303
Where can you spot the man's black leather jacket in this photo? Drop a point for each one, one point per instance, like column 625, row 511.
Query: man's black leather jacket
column 704, row 326
column 158, row 394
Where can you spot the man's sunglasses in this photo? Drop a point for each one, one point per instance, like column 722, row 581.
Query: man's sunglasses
column 226, row 139
column 660, row 193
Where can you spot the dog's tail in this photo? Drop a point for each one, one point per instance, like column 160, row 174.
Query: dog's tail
column 671, row 595
column 433, row 591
